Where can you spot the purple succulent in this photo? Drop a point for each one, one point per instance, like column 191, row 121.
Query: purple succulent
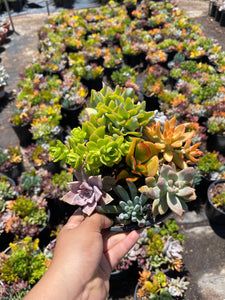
column 87, row 192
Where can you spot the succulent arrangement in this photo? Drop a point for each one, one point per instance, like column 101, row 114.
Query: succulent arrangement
column 117, row 144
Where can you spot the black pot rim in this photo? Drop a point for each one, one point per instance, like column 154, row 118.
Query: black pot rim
column 209, row 198
column 149, row 223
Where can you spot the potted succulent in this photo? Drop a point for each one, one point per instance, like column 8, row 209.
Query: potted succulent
column 3, row 81
column 130, row 6
column 45, row 125
column 20, row 121
column 54, row 188
column 216, row 130
column 124, row 75
column 39, row 157
column 11, row 162
column 30, row 183
column 159, row 286
column 154, row 85
column 29, row 216
column 210, row 168
column 91, row 76
column 7, row 188
column 73, row 101
column 112, row 148
column 215, row 207
column 113, row 59
column 161, row 249
column 22, row 265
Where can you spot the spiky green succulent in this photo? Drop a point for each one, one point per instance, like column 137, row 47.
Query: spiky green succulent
column 171, row 189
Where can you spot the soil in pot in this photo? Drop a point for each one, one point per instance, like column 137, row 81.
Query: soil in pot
column 215, row 208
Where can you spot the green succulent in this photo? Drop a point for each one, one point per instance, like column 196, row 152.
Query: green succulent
column 105, row 138
column 209, row 162
column 25, row 261
column 30, row 182
column 132, row 207
column 170, row 190
column 7, row 191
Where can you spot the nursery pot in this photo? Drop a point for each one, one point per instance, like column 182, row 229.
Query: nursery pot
column 215, row 215
column 132, row 60
column 122, row 282
column 52, row 167
column 212, row 8
column 216, row 142
column 24, row 134
column 218, row 14
column 201, row 191
column 14, row 172
column 108, row 71
column 92, row 84
column 134, row 226
column 152, row 102
column 70, row 115
column 2, row 92
column 222, row 19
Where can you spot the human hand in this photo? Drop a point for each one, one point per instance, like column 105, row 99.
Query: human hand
column 84, row 257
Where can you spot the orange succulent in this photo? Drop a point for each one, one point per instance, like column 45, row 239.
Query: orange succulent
column 171, row 141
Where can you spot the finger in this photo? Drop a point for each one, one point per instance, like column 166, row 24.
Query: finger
column 74, row 221
column 97, row 222
column 110, row 239
column 117, row 252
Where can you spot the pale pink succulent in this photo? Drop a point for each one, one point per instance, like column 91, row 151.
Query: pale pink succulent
column 87, row 192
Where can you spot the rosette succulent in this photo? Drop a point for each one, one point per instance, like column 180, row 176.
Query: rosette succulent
column 87, row 192
column 171, row 189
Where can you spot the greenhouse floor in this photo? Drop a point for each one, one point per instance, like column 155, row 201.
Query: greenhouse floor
column 204, row 247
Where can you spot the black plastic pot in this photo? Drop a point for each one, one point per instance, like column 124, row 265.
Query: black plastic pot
column 14, row 172
column 222, row 19
column 5, row 239
column 130, row 9
column 215, row 215
column 132, row 60
column 216, row 142
column 212, row 8
column 52, row 167
column 24, row 134
column 122, row 283
column 201, row 191
column 93, row 84
column 108, row 71
column 152, row 103
column 218, row 15
column 70, row 116
column 149, row 223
